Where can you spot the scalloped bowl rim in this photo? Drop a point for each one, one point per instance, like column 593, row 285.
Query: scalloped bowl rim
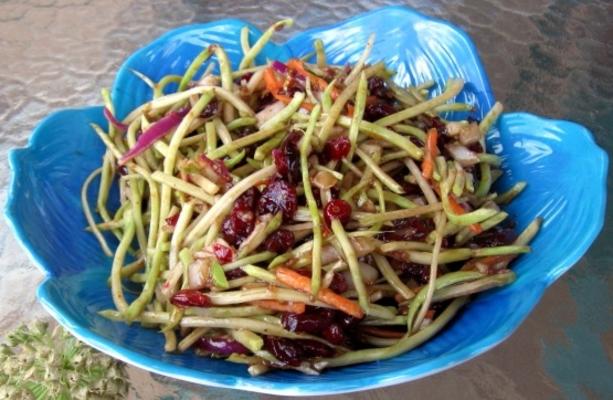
column 382, row 379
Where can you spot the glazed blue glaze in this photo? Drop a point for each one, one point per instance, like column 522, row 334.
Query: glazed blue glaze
column 563, row 166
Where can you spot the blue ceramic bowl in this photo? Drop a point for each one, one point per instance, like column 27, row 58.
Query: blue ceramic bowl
column 554, row 157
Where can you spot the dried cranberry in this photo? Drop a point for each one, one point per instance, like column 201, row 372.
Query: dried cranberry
column 241, row 221
column 311, row 321
column 312, row 348
column 244, row 131
column 190, row 298
column 497, row 236
column 410, row 188
column 123, row 170
column 326, row 313
column 220, row 346
column 280, row 161
column 248, row 200
column 337, row 209
column 279, row 241
column 377, row 87
column 223, row 253
column 418, row 272
column 347, row 321
column 287, row 158
column 409, row 229
column 337, row 148
column 334, row 334
column 235, row 273
column 210, row 110
column 378, row 110
column 285, row 350
column 172, row 220
column 278, row 196
column 427, row 122
column 238, row 225
column 339, row 283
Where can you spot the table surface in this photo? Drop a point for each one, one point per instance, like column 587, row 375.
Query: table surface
column 549, row 57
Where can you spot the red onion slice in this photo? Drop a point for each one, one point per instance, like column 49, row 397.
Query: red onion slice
column 279, row 67
column 155, row 131
column 114, row 121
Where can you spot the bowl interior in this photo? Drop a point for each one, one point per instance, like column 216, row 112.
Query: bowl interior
column 44, row 204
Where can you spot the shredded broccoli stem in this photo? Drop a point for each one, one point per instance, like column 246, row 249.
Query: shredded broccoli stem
column 358, row 113
column 170, row 182
column 320, row 52
column 352, row 261
column 262, row 134
column 390, row 275
column 485, row 183
column 382, row 133
column 326, row 96
column 471, row 287
column 357, row 68
column 245, row 43
column 173, row 147
column 227, row 82
column 194, row 66
column 337, row 107
column 368, row 219
column 88, row 214
column 311, row 202
column 118, row 260
column 257, row 47
column 440, row 227
column 241, row 122
column 379, row 173
column 451, row 278
column 145, row 296
column 452, row 88
column 263, row 150
column 510, row 194
column 191, row 338
column 490, row 118
column 528, row 234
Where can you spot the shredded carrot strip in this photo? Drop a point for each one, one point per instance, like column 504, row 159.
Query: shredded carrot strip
column 475, row 228
column 427, row 166
column 273, row 85
column 296, row 281
column 455, row 206
column 350, row 110
column 458, row 209
column 286, row 99
column 292, row 307
column 298, row 66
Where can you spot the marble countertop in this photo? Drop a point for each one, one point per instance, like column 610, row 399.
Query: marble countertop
column 549, row 57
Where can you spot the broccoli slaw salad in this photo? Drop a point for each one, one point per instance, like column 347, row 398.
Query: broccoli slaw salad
column 299, row 215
